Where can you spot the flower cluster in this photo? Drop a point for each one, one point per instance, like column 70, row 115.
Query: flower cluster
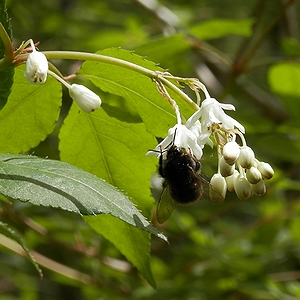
column 238, row 169
column 37, row 70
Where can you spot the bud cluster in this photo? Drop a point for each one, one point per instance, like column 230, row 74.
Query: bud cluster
column 241, row 171
column 37, row 70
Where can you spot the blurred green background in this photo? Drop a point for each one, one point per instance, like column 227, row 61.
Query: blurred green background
column 246, row 53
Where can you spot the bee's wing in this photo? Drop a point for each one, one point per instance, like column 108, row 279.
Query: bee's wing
column 210, row 193
column 165, row 205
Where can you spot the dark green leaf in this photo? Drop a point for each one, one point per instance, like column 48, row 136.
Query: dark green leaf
column 7, row 73
column 53, row 183
column 10, row 233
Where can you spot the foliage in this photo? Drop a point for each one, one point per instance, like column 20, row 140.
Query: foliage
column 246, row 53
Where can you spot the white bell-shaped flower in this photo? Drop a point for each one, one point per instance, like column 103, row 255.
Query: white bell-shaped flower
column 36, row 67
column 247, row 157
column 219, row 183
column 231, row 152
column 87, row 100
column 242, row 188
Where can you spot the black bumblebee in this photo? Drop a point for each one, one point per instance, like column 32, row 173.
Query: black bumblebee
column 183, row 183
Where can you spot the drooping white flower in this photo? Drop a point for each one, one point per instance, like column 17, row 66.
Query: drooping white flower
column 187, row 136
column 212, row 112
column 36, row 66
column 87, row 100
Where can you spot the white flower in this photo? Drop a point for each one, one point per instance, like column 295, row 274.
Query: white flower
column 247, row 157
column 219, row 183
column 212, row 112
column 186, row 136
column 87, row 100
column 231, row 152
column 36, row 67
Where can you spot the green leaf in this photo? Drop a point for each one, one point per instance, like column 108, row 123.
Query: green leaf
column 10, row 233
column 111, row 145
column 291, row 46
column 30, row 113
column 167, row 50
column 217, row 28
column 53, row 183
column 138, row 89
column 284, row 80
column 7, row 73
column 134, row 244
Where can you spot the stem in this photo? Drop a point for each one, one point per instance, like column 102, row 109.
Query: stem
column 61, row 80
column 7, row 43
column 155, row 76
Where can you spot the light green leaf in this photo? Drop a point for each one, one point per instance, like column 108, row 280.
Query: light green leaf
column 284, row 78
column 217, row 28
column 53, row 183
column 138, row 89
column 134, row 244
column 111, row 145
column 10, row 233
column 30, row 113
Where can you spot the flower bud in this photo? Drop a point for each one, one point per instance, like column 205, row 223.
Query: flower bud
column 259, row 188
column 225, row 168
column 36, row 67
column 231, row 179
column 246, row 158
column 253, row 175
column 231, row 152
column 242, row 188
column 219, row 184
column 266, row 170
column 87, row 100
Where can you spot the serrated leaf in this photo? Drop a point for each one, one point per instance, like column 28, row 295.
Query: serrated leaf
column 7, row 73
column 134, row 244
column 30, row 113
column 217, row 28
column 57, row 184
column 136, row 88
column 10, row 233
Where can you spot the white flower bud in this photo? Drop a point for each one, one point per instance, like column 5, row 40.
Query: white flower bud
column 231, row 179
column 266, row 170
column 259, row 188
column 36, row 67
column 87, row 100
column 231, row 152
column 219, row 184
column 225, row 168
column 246, row 158
column 253, row 175
column 242, row 188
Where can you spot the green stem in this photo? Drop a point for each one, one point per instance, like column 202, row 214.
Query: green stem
column 7, row 43
column 121, row 63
